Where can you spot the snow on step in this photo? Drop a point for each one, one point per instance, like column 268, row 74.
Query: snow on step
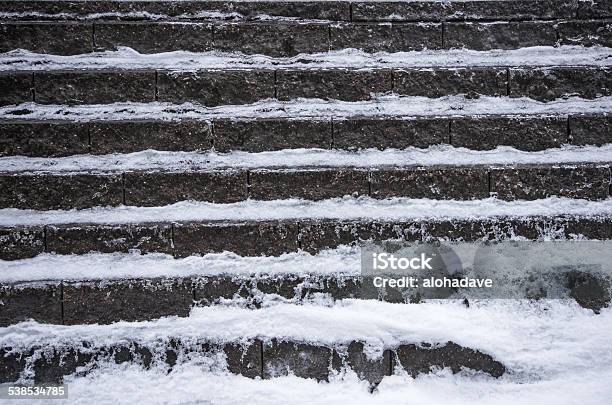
column 126, row 58
column 341, row 209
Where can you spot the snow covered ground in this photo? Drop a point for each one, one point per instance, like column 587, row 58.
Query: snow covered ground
column 555, row 353
column 127, row 58
column 337, row 208
column 304, row 158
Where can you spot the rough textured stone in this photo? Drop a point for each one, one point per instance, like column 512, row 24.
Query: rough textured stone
column 271, row 134
column 511, row 35
column 594, row 9
column 84, row 238
column 274, row 39
column 267, row 238
column 158, row 188
column 12, row 363
column 44, row 37
column 450, row 81
column 21, row 242
column 154, row 37
column 111, row 301
column 386, row 37
column 20, row 302
column 134, row 136
column 216, row 87
column 210, row 290
column 589, row 291
column 535, row 182
column 16, row 87
column 371, row 370
column 337, row 84
column 524, row 133
column 48, row 192
column 383, row 133
column 304, row 360
column 316, row 235
column 51, row 365
column 437, row 183
column 460, row 10
column 418, row 359
column 243, row 359
column 590, row 129
column 177, row 10
column 94, row 87
column 585, row 33
column 498, row 229
column 572, row 227
column 43, row 138
column 547, row 84
column 311, row 184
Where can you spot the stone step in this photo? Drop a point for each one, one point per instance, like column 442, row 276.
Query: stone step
column 283, row 39
column 376, row 11
column 49, row 191
column 221, row 87
column 528, row 132
column 50, row 360
column 158, row 231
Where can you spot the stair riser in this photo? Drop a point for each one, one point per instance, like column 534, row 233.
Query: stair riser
column 45, row 192
column 529, row 133
column 277, row 237
column 287, row 39
column 214, row 88
column 328, row 10
column 255, row 358
column 130, row 300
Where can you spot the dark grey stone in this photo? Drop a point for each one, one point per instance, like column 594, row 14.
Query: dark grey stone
column 590, row 129
column 589, row 290
column 535, row 182
column 311, row 184
column 12, row 364
column 94, row 87
column 43, row 139
column 84, row 238
column 271, row 134
column 210, row 290
column 316, row 235
column 511, row 35
column 134, row 136
column 245, row 359
column 529, row 133
column 371, row 370
column 48, row 192
column 154, row 37
column 594, row 9
column 16, row 87
column 547, row 84
column 450, row 81
column 581, row 227
column 21, row 242
column 216, row 87
column 47, row 37
column 418, row 359
column 386, row 37
column 585, row 33
column 159, row 188
column 337, row 84
column 459, row 10
column 111, row 301
column 281, row 358
column 288, row 286
column 23, row 301
column 497, row 229
column 52, row 364
column 383, row 133
column 274, row 39
column 437, row 183
column 243, row 238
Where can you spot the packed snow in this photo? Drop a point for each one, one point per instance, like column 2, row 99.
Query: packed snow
column 439, row 155
column 338, row 208
column 127, row 58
